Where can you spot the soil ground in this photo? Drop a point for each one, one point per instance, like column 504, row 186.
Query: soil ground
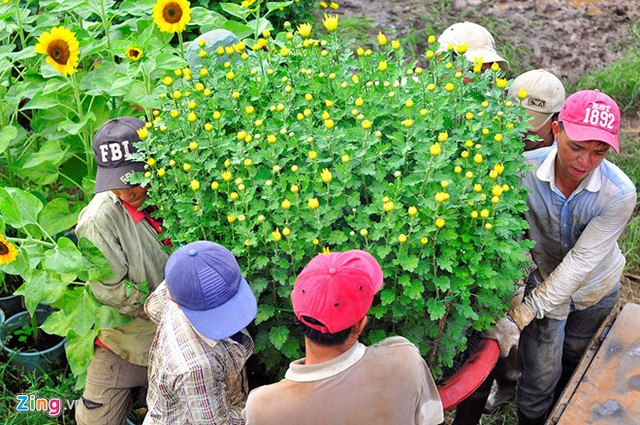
column 566, row 37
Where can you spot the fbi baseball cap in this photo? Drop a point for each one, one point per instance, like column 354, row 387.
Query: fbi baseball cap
column 336, row 289
column 545, row 95
column 591, row 115
column 480, row 43
column 112, row 144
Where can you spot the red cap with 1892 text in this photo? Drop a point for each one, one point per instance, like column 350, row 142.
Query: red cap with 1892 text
column 590, row 115
column 336, row 289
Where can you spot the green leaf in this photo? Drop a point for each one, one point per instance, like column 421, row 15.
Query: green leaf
column 101, row 269
column 409, row 262
column 415, row 290
column 261, row 262
column 240, row 30
column 44, row 174
column 258, row 285
column 80, row 350
column 80, row 306
column 108, row 317
column 65, row 258
column 75, row 127
column 169, row 62
column 264, row 312
column 9, row 209
column 278, row 336
column 50, row 151
column 236, row 11
column 387, row 296
column 28, row 205
column 42, row 102
column 56, row 218
column 7, row 134
column 435, row 308
column 42, row 287
column 208, row 19
column 56, row 324
column 273, row 6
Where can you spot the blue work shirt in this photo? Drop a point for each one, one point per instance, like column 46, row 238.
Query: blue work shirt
column 576, row 252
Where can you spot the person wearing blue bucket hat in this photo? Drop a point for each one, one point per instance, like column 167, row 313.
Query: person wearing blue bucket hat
column 197, row 359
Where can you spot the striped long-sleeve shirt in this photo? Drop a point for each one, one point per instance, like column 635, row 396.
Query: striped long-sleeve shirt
column 193, row 379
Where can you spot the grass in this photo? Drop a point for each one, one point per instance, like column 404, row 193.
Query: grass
column 58, row 384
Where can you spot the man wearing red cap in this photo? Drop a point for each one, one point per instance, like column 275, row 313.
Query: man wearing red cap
column 579, row 205
column 341, row 380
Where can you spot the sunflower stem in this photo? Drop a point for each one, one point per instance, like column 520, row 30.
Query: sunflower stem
column 105, row 25
column 181, row 45
column 20, row 29
column 31, row 240
column 88, row 152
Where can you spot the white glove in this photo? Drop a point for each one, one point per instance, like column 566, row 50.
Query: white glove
column 506, row 333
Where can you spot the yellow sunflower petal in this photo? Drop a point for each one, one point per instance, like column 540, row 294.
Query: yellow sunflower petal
column 171, row 15
column 8, row 252
column 61, row 48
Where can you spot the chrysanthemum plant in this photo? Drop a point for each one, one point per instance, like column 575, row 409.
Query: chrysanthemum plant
column 307, row 146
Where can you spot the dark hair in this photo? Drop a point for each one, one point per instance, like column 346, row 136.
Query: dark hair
column 319, row 338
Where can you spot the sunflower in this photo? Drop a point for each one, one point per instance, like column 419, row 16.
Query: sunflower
column 134, row 53
column 62, row 49
column 8, row 252
column 171, row 15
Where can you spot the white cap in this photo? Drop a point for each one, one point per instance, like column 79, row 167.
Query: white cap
column 480, row 43
column 545, row 95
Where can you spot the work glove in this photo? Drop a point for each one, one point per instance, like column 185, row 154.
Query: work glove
column 506, row 333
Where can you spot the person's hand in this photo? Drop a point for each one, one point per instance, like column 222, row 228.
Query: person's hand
column 506, row 333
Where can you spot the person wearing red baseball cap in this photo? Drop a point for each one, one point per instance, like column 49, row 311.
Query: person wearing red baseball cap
column 579, row 204
column 341, row 380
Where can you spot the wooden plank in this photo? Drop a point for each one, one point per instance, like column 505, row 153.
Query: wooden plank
column 585, row 362
column 609, row 391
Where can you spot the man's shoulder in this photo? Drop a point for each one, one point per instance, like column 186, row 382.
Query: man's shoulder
column 613, row 174
column 537, row 156
column 399, row 343
column 102, row 206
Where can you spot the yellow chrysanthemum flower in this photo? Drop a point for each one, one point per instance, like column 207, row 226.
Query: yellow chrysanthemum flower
column 171, row 15
column 330, row 22
column 62, row 49
column 326, row 175
column 305, row 29
column 8, row 252
column 382, row 39
column 134, row 53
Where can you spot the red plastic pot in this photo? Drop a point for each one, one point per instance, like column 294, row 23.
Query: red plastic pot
column 471, row 374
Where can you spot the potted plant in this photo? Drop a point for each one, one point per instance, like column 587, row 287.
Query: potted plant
column 29, row 348
column 10, row 303
column 55, row 271
column 307, row 146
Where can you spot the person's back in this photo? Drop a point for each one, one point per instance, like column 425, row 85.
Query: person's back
column 380, row 384
column 341, row 381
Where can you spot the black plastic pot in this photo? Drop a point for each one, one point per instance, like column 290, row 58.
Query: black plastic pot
column 41, row 361
column 11, row 304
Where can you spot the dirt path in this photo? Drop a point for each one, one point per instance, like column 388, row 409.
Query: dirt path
column 567, row 37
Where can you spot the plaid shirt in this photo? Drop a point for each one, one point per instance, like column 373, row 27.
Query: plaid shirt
column 193, row 379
